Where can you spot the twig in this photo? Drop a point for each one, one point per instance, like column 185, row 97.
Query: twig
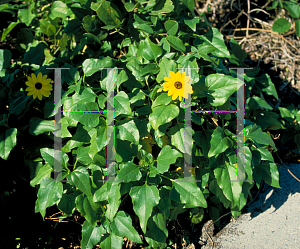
column 248, row 20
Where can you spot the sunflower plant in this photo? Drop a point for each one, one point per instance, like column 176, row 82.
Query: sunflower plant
column 149, row 45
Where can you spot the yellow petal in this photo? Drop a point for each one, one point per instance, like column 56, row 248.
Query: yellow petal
column 35, row 94
column 30, row 93
column 47, row 87
column 30, row 88
column 178, row 76
column 39, row 77
column 175, row 95
column 172, row 74
column 29, row 83
column 45, row 92
column 39, row 95
column 34, row 79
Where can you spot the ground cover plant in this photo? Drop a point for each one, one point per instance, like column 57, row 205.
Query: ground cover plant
column 150, row 41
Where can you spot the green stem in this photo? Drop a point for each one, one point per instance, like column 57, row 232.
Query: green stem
column 75, row 164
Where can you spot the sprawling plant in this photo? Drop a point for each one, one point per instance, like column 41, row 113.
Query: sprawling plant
column 149, row 44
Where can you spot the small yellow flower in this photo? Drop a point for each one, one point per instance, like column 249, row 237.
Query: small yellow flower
column 38, row 86
column 146, row 143
column 181, row 171
column 176, row 85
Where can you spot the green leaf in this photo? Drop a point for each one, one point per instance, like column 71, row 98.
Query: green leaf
column 114, row 199
column 35, row 55
column 178, row 140
column 102, row 193
column 163, row 114
column 137, row 97
column 214, row 38
column 281, row 25
column 221, row 87
column 219, row 143
column 268, row 86
column 38, row 126
column 286, row 114
column 270, row 174
column 260, row 137
column 144, row 198
column 8, row 141
column 48, row 155
column 85, row 113
column 236, row 51
column 112, row 241
column 256, row 102
column 26, row 15
column 101, row 138
column 5, row 58
column 157, row 234
column 59, row 9
column 164, row 202
column 269, row 120
column 91, row 66
column 19, row 104
column 166, row 66
column 122, row 226
column 87, row 95
column 130, row 172
column 166, row 157
column 90, row 23
column 122, row 104
column 188, row 193
column 265, row 154
column 67, row 204
column 42, row 172
column 190, row 4
column 144, row 27
column 47, row 28
column 171, row 26
column 135, row 67
column 91, row 234
column 90, row 209
column 162, row 99
column 8, row 29
column 164, row 6
column 176, row 43
column 129, row 132
column 293, row 8
column 192, row 23
column 83, row 155
column 80, row 178
column 125, row 151
column 107, row 12
column 149, row 50
column 50, row 192
column 232, row 190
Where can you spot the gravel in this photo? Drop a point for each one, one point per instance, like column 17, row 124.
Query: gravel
column 272, row 221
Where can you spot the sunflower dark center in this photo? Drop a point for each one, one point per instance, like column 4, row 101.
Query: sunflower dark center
column 178, row 85
column 38, row 86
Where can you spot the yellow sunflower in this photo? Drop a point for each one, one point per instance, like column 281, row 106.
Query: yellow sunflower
column 38, row 86
column 176, row 85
